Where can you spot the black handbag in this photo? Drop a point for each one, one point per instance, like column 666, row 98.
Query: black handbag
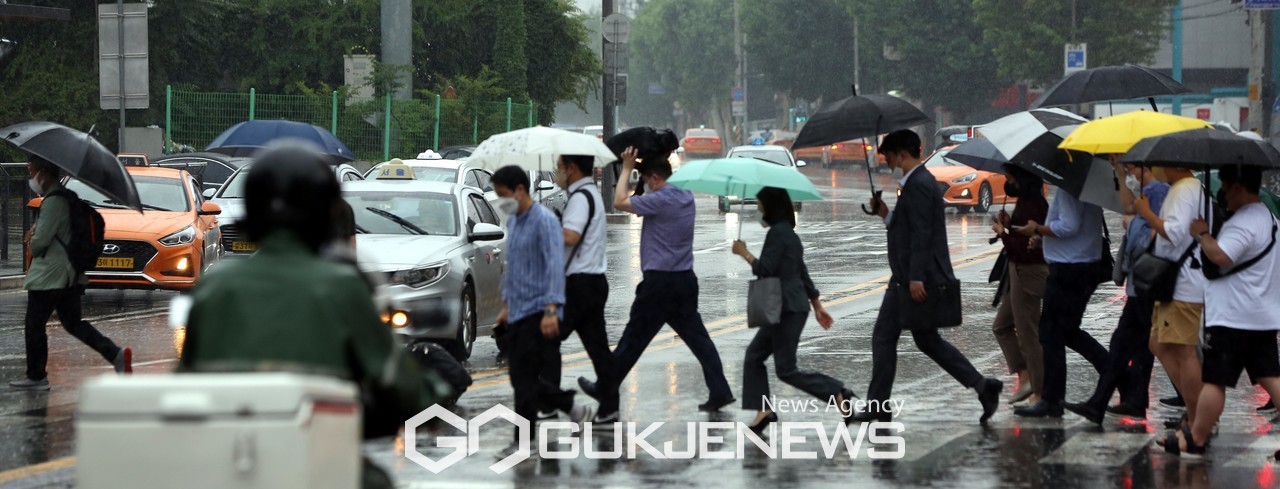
column 1156, row 278
column 940, row 309
column 1106, row 267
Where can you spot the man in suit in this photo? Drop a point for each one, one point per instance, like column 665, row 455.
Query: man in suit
column 919, row 261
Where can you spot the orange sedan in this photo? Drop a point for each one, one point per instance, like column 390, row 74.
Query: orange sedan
column 702, row 142
column 166, row 246
column 964, row 187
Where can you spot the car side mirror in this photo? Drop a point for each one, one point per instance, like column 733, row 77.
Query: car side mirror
column 801, row 164
column 208, row 193
column 485, row 232
column 545, row 185
column 488, row 188
column 210, row 209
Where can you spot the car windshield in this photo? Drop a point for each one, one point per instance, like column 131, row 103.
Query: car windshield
column 939, row 159
column 430, row 174
column 234, row 188
column 156, row 193
column 775, row 157
column 377, row 212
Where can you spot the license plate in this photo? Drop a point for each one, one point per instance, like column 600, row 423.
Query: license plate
column 243, row 246
column 115, row 263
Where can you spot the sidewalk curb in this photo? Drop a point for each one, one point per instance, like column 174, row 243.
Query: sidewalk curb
column 11, row 282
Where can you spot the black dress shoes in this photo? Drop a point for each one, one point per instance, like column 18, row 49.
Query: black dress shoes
column 870, row 416
column 989, row 396
column 759, row 428
column 713, row 405
column 1094, row 415
column 589, row 388
column 1040, row 409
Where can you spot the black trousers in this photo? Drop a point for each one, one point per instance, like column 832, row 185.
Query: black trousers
column 670, row 298
column 780, row 341
column 1129, row 361
column 40, row 307
column 584, row 299
column 1066, row 295
column 530, row 354
column 884, row 354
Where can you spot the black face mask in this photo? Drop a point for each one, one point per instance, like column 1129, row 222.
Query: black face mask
column 1011, row 188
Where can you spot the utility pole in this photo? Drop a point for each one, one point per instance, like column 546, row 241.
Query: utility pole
column 1177, row 54
column 1257, row 65
column 608, row 177
column 857, row 66
column 740, row 72
column 397, row 39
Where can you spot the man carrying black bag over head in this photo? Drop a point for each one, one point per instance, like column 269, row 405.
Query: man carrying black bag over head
column 923, row 291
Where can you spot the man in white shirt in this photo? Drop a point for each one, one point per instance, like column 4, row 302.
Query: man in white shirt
column 1175, row 324
column 1239, row 311
column 586, row 288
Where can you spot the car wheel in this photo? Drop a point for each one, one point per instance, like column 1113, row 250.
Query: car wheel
column 798, row 206
column 460, row 346
column 723, row 204
column 984, row 198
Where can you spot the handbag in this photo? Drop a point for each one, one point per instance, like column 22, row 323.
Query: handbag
column 940, row 309
column 1107, row 266
column 999, row 273
column 764, row 302
column 1156, row 278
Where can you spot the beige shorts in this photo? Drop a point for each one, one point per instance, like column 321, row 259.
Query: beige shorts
column 1176, row 323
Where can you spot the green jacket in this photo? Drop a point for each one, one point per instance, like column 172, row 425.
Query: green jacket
column 286, row 309
column 50, row 265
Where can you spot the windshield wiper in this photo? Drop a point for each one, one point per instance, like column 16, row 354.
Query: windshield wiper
column 361, row 230
column 404, row 223
column 766, row 160
column 155, row 208
column 105, row 205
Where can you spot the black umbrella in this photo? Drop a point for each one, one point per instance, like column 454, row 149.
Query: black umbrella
column 1200, row 148
column 77, row 153
column 859, row 116
column 978, row 153
column 1107, row 83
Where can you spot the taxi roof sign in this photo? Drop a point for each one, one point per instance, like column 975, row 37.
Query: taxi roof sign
column 395, row 170
column 429, row 155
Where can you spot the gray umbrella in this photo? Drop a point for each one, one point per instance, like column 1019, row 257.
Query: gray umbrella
column 79, row 155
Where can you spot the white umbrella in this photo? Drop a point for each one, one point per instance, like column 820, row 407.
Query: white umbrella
column 537, row 148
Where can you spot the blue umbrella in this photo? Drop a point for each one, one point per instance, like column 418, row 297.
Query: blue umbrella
column 246, row 138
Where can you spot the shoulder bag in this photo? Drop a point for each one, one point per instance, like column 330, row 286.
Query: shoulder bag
column 1155, row 278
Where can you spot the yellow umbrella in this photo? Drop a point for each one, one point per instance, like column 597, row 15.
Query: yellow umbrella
column 1116, row 134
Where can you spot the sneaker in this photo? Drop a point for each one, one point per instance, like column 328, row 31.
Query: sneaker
column 1175, row 402
column 29, row 385
column 545, row 415
column 1268, row 408
column 1126, row 411
column 581, row 413
column 124, row 361
column 609, row 418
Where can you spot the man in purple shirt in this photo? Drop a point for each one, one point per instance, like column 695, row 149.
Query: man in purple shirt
column 669, row 292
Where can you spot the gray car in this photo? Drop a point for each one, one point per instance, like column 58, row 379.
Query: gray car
column 230, row 197
column 439, row 247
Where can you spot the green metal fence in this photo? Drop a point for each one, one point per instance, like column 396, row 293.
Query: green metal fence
column 375, row 130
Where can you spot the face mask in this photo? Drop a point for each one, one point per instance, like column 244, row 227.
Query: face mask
column 898, row 173
column 646, row 188
column 1134, row 185
column 562, row 179
column 34, row 185
column 1011, row 188
column 764, row 223
column 508, row 205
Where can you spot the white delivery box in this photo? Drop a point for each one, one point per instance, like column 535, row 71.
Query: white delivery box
column 256, row 430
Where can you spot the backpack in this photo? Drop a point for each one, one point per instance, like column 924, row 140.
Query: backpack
column 86, row 232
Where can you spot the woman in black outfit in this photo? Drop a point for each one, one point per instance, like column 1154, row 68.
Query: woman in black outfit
column 783, row 257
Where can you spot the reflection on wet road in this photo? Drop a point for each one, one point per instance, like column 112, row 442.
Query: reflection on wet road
column 944, row 446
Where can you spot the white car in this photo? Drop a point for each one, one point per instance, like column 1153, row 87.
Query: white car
column 429, row 167
column 439, row 247
column 777, row 155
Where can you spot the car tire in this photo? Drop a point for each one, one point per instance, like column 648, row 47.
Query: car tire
column 460, row 347
column 723, row 205
column 984, row 198
column 798, row 206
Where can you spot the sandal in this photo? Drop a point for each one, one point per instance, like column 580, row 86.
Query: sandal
column 1173, row 445
column 1179, row 423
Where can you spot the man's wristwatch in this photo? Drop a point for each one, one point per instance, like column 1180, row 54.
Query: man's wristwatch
column 549, row 311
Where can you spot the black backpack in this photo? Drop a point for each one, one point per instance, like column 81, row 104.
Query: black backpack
column 86, row 232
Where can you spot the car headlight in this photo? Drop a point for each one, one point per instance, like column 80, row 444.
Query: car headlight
column 966, row 179
column 185, row 236
column 420, row 277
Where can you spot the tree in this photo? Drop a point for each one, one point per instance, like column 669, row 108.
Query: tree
column 1028, row 35
column 684, row 44
column 562, row 66
column 942, row 60
column 509, row 56
column 807, row 52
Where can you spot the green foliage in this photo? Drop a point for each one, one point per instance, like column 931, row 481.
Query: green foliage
column 688, row 45
column 509, row 58
column 805, row 51
column 561, row 66
column 1028, row 35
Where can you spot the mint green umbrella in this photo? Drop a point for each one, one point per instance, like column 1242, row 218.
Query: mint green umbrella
column 743, row 177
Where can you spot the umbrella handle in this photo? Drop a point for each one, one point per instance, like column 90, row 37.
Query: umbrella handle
column 875, row 209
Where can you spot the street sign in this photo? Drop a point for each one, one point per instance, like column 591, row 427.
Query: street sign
column 616, row 58
column 1202, row 114
column 136, row 80
column 617, row 28
column 739, row 94
column 615, row 89
column 1262, row 4
column 1076, row 58
column 739, row 108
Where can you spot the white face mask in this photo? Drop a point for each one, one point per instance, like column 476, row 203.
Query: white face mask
column 35, row 185
column 508, row 205
column 763, row 223
column 1134, row 185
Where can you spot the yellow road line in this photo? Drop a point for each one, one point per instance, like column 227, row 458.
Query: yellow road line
column 37, row 469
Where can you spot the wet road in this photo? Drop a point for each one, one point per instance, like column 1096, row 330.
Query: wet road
column 944, row 446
